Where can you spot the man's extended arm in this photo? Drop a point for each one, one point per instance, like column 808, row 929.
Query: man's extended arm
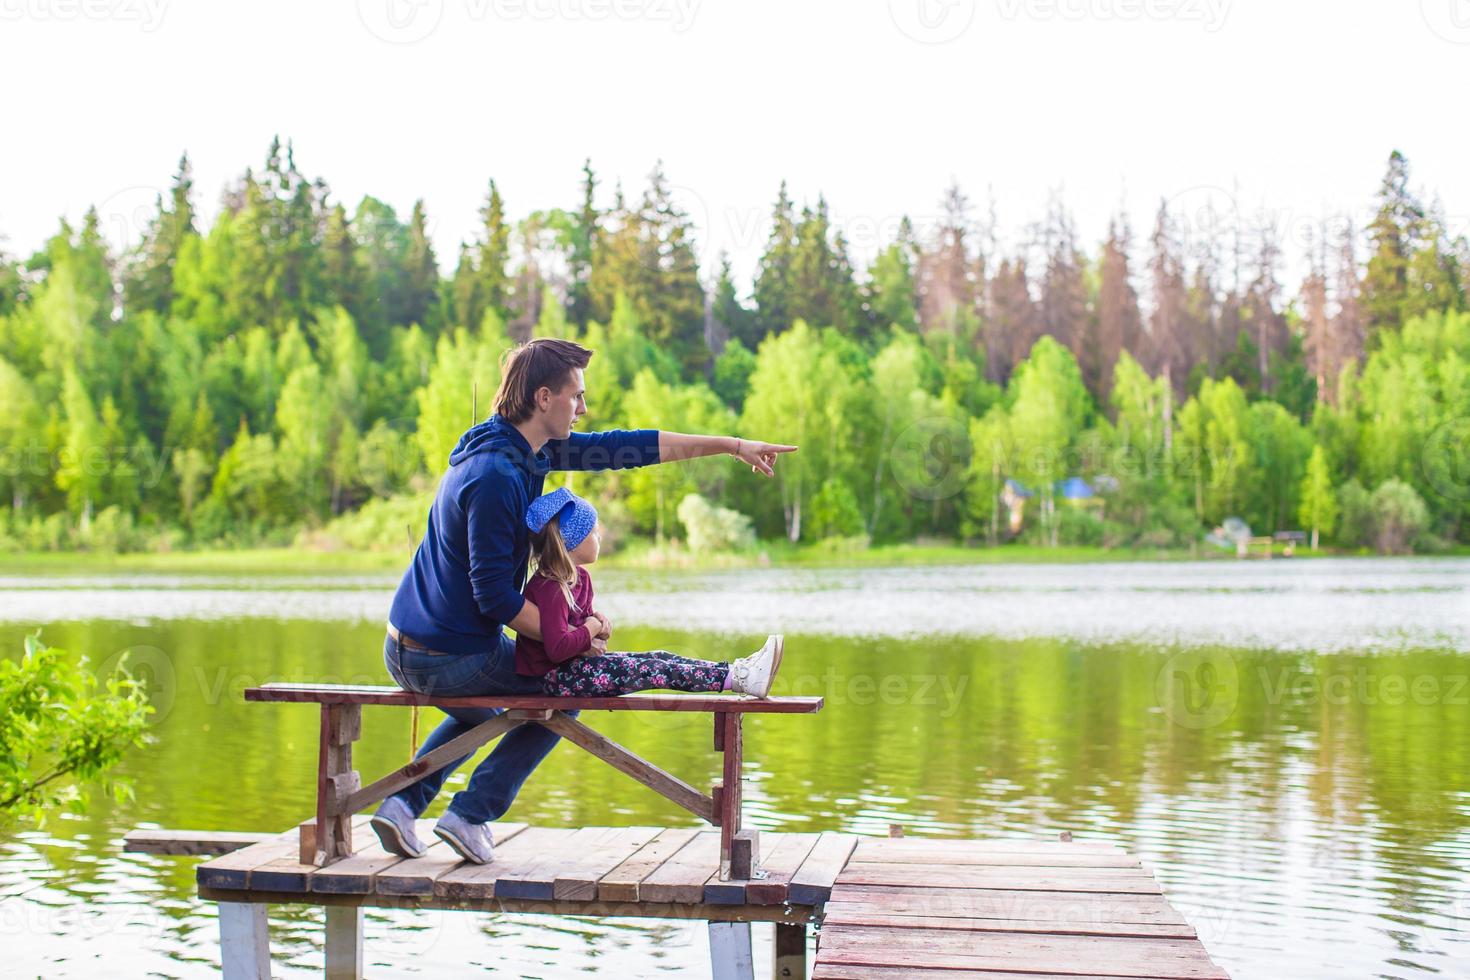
column 761, row 456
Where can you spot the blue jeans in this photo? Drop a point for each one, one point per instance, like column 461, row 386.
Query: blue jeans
column 496, row 780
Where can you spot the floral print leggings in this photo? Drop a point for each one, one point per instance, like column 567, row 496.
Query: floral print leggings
column 611, row 674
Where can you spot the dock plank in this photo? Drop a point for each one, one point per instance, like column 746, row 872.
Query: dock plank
column 880, row 851
column 842, row 914
column 1120, row 880
column 621, row 884
column 416, row 876
column 813, row 881
column 578, row 880
column 938, row 948
column 287, row 874
column 854, row 972
column 681, row 878
column 1000, row 903
column 476, row 882
column 784, row 860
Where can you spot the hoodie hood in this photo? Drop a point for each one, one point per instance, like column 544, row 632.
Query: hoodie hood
column 493, row 435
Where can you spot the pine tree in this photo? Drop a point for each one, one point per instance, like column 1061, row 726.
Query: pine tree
column 584, row 243
column 945, row 274
column 421, row 275
column 733, row 320
column 1118, row 321
column 773, row 278
column 492, row 262
column 1386, row 284
column 342, row 269
column 148, row 283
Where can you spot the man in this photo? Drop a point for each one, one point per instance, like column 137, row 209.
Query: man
column 446, row 625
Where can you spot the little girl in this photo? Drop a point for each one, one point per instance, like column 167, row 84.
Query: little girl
column 564, row 539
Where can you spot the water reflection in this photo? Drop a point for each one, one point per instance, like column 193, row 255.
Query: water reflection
column 1308, row 811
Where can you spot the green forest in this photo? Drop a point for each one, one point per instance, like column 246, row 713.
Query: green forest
column 297, row 372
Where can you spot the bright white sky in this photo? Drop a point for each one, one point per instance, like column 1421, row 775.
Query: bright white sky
column 876, row 104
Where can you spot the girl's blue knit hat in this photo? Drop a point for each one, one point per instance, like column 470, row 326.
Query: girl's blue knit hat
column 576, row 516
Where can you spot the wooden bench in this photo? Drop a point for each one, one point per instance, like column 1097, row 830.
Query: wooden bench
column 340, row 794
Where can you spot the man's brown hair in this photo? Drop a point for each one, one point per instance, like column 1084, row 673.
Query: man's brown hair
column 541, row 363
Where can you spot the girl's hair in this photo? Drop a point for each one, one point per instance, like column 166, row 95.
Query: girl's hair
column 549, row 552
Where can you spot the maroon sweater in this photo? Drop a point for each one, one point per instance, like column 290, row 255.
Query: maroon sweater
column 561, row 641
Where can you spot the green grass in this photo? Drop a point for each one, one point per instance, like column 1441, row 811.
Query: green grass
column 639, row 554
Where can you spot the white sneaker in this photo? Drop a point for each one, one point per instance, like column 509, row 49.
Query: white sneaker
column 753, row 674
column 472, row 841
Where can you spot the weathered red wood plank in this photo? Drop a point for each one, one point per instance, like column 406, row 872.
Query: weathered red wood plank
column 842, row 914
column 369, row 694
column 1037, row 879
column 935, row 948
column 1000, row 903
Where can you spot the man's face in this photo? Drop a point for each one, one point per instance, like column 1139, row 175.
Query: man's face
column 566, row 407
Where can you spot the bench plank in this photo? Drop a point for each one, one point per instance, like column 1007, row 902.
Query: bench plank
column 642, row 701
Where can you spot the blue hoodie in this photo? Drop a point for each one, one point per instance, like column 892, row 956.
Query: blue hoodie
column 466, row 578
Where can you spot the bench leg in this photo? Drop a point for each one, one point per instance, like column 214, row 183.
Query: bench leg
column 790, row 961
column 739, row 848
column 344, row 942
column 244, row 941
column 336, row 780
column 729, row 951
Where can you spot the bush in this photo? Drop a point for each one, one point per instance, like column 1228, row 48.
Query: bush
column 60, row 725
column 709, row 528
column 111, row 532
column 834, row 512
column 1399, row 515
column 382, row 524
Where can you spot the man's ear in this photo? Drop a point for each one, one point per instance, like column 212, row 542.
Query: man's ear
column 542, row 398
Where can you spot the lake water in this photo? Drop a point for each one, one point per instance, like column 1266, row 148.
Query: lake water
column 1285, row 743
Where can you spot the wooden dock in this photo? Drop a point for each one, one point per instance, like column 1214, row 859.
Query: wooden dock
column 885, row 908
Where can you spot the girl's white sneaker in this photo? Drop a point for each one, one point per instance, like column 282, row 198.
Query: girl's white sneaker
column 753, row 674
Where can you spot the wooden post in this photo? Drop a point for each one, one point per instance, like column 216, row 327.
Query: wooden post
column 344, row 942
column 336, row 781
column 244, row 941
column 729, row 951
column 790, row 961
column 736, row 860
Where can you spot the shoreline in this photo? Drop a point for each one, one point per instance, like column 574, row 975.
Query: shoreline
column 641, row 556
